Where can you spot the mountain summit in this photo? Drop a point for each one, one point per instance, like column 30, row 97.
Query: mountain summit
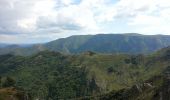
column 130, row 43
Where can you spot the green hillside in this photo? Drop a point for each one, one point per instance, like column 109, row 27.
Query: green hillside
column 100, row 43
column 52, row 75
column 110, row 43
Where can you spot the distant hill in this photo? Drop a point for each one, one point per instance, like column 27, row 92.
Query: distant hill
column 2, row 45
column 22, row 49
column 102, row 43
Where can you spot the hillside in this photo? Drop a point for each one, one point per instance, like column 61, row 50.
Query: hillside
column 156, row 88
column 52, row 75
column 22, row 50
column 101, row 43
column 110, row 43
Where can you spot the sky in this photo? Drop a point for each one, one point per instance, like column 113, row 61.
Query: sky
column 37, row 21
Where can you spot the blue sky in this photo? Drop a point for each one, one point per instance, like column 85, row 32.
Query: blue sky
column 35, row 21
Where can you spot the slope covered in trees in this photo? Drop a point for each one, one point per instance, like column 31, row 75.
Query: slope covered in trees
column 101, row 43
column 52, row 75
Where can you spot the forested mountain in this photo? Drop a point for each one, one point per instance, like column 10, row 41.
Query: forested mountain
column 88, row 76
column 101, row 43
column 110, row 43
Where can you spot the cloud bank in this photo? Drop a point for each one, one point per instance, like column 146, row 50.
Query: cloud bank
column 31, row 21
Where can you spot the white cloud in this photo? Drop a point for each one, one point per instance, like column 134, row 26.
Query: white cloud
column 44, row 18
column 145, row 20
column 18, row 16
column 148, row 17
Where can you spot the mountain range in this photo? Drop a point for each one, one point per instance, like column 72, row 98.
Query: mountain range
column 88, row 67
column 130, row 43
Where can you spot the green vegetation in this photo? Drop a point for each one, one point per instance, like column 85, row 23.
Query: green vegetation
column 101, row 43
column 51, row 75
column 9, row 91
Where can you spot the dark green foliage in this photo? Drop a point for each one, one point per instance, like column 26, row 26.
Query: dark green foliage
column 93, row 88
column 47, row 75
column 0, row 81
column 135, row 59
column 127, row 61
column 68, row 83
column 8, row 82
column 52, row 75
column 9, row 62
column 110, row 70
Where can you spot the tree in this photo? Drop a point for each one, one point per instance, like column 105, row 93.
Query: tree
column 0, row 81
column 110, row 70
column 8, row 82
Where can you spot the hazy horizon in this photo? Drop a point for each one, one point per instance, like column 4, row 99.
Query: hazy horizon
column 25, row 43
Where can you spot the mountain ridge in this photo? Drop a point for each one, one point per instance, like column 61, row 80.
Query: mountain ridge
column 130, row 43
